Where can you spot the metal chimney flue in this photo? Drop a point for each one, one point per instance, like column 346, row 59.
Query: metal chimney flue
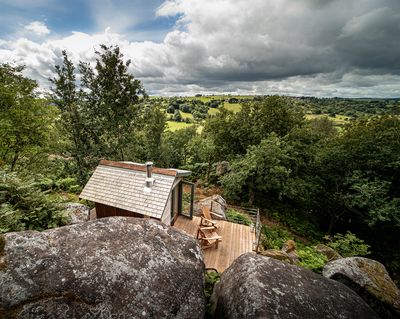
column 149, row 178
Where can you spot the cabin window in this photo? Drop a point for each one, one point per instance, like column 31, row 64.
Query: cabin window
column 186, row 197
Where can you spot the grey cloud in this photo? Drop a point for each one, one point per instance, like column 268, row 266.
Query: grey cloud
column 310, row 47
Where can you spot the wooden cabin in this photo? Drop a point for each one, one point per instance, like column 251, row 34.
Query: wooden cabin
column 139, row 190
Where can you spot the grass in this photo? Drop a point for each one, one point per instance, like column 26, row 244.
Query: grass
column 174, row 126
column 213, row 111
column 234, row 216
column 337, row 120
column 186, row 115
column 234, row 107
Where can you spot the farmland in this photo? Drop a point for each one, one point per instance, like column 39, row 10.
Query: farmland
column 182, row 112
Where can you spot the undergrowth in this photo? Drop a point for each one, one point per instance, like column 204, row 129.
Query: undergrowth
column 237, row 217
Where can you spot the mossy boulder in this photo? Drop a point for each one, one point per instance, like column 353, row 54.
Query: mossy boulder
column 370, row 280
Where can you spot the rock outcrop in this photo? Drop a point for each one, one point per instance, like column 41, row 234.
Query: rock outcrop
column 260, row 287
column 216, row 204
column 288, row 253
column 370, row 280
column 289, row 247
column 329, row 252
column 276, row 254
column 78, row 213
column 113, row 267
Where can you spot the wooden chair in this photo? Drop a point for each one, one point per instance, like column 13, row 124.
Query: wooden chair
column 206, row 219
column 208, row 237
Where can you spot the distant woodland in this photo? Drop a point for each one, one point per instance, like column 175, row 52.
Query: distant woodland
column 320, row 167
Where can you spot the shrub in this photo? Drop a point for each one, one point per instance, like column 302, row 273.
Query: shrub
column 299, row 225
column 171, row 109
column 24, row 206
column 177, row 116
column 199, row 170
column 274, row 237
column 233, row 100
column 348, row 245
column 45, row 184
column 198, row 116
column 68, row 184
column 311, row 259
column 211, row 278
column 237, row 217
column 214, row 104
column 186, row 108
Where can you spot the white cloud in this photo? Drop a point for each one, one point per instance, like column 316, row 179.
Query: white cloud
column 37, row 27
column 310, row 47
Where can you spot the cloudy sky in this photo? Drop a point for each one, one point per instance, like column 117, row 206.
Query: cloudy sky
column 181, row 47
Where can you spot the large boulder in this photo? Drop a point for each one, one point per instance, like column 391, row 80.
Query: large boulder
column 370, row 280
column 288, row 253
column 117, row 267
column 260, row 287
column 289, row 247
column 216, row 204
column 329, row 252
column 78, row 213
column 276, row 254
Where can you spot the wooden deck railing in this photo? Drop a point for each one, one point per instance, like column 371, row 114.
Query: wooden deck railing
column 254, row 214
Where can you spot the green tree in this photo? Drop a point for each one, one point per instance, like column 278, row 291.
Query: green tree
column 75, row 118
column 101, row 114
column 233, row 133
column 25, row 120
column 154, row 120
column 112, row 95
column 202, row 150
column 361, row 172
column 264, row 169
column 360, row 185
column 175, row 147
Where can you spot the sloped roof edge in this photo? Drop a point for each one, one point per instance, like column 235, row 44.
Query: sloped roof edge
column 142, row 168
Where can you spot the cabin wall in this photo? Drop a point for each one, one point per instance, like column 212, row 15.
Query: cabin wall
column 108, row 211
column 166, row 217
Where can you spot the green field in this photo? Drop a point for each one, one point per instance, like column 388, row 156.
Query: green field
column 186, row 115
column 234, row 107
column 208, row 98
column 338, row 119
column 213, row 111
column 174, row 126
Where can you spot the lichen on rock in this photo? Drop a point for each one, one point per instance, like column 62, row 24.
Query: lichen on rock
column 255, row 286
column 112, row 267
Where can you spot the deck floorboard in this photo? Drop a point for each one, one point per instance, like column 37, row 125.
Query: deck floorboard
column 236, row 240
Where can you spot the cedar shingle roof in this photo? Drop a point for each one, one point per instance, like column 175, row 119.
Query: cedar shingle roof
column 121, row 185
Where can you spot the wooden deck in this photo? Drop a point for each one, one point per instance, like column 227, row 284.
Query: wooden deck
column 236, row 240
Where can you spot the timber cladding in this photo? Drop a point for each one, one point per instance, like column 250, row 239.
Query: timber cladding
column 108, row 211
